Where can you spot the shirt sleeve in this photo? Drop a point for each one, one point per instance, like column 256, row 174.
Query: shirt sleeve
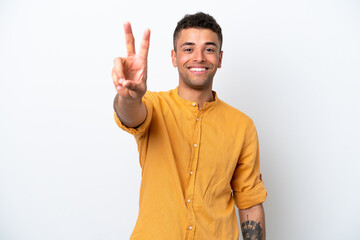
column 140, row 130
column 247, row 184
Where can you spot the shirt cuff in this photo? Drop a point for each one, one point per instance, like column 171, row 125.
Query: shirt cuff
column 256, row 195
column 138, row 130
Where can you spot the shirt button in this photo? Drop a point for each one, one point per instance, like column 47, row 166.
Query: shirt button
column 197, row 119
column 195, row 145
column 194, row 104
column 190, row 227
column 191, row 173
column 188, row 200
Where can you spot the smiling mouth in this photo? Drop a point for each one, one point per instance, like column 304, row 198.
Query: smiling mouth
column 197, row 70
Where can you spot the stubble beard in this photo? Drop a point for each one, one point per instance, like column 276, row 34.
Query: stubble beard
column 197, row 84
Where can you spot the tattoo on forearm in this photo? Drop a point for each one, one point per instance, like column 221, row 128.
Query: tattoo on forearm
column 251, row 230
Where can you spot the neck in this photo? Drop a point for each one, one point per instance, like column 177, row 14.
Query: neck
column 199, row 96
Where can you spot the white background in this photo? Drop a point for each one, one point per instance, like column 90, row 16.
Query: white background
column 68, row 172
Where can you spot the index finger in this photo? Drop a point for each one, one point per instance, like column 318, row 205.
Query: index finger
column 129, row 39
column 144, row 47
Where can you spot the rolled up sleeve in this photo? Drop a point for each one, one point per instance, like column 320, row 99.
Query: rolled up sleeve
column 140, row 130
column 247, row 185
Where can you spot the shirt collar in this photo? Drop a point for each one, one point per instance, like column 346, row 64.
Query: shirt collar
column 191, row 104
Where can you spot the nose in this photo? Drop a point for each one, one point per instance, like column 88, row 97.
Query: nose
column 199, row 55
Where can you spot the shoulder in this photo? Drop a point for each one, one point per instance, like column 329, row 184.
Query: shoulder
column 158, row 96
column 233, row 113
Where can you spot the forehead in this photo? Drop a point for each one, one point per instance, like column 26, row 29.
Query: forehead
column 197, row 36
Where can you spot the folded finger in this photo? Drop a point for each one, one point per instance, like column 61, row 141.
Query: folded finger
column 115, row 79
column 118, row 72
column 119, row 67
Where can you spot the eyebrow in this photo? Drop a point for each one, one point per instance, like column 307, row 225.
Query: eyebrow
column 211, row 43
column 192, row 44
column 187, row 43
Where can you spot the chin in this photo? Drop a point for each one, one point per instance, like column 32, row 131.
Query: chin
column 199, row 85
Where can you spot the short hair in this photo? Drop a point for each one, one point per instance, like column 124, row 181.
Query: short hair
column 198, row 20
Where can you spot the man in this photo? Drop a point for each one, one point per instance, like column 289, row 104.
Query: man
column 199, row 156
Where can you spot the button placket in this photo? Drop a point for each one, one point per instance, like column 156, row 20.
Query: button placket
column 190, row 191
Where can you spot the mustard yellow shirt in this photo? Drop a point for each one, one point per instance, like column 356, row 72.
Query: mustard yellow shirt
column 196, row 165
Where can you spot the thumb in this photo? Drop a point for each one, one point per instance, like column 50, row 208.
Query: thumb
column 131, row 85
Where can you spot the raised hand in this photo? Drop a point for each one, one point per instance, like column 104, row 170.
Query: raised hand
column 130, row 73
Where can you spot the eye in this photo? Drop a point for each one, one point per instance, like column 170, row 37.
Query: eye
column 187, row 49
column 209, row 50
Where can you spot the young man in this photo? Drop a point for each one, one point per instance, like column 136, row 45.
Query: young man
column 199, row 156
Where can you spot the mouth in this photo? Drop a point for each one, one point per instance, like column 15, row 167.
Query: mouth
column 198, row 70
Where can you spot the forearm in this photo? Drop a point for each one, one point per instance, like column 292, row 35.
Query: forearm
column 252, row 222
column 131, row 112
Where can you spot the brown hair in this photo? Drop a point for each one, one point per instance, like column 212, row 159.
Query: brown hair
column 198, row 20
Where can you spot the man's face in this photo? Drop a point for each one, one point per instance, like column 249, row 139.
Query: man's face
column 197, row 57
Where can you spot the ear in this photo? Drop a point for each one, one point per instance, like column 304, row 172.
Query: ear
column 220, row 59
column 173, row 58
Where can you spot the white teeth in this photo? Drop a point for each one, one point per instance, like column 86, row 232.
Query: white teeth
column 197, row 69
